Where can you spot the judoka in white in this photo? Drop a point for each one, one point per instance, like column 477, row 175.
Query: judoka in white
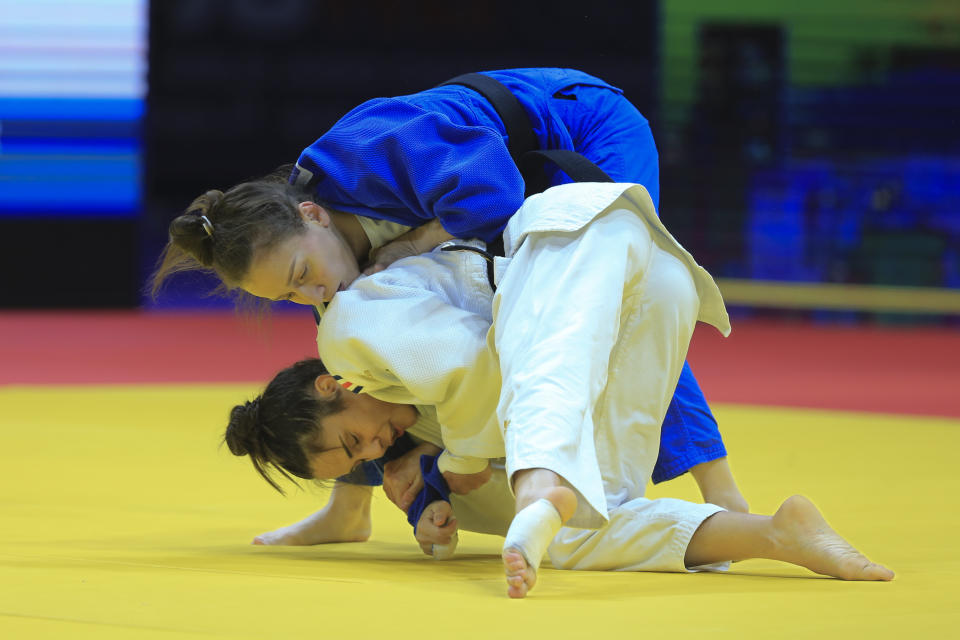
column 579, row 350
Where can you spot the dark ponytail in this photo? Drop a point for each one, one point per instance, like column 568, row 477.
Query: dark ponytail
column 281, row 428
column 221, row 231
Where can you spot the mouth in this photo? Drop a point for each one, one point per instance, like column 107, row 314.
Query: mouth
column 340, row 288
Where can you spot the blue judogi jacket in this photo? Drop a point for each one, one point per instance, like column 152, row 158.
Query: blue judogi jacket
column 442, row 153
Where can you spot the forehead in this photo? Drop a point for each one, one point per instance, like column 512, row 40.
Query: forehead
column 331, row 463
column 270, row 267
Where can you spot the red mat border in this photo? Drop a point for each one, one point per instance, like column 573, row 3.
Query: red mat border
column 887, row 370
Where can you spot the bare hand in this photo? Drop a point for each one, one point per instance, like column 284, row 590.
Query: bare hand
column 390, row 253
column 412, row 243
column 402, row 479
column 436, row 526
column 467, row 482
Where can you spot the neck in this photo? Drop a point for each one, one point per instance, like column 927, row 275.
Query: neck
column 353, row 234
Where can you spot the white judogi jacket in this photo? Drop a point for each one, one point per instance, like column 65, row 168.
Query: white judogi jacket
column 419, row 332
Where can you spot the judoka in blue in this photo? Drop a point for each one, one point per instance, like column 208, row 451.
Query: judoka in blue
column 442, row 154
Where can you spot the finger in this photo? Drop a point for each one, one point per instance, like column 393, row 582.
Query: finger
column 435, row 536
column 446, row 528
column 406, row 500
column 427, row 534
column 445, row 534
column 449, row 527
column 392, row 493
column 411, row 493
column 441, row 513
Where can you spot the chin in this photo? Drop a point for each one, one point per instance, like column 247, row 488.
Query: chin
column 406, row 416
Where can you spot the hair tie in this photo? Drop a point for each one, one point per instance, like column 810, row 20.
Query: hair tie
column 207, row 225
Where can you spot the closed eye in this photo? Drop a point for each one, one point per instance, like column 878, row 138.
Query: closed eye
column 346, row 449
column 356, row 443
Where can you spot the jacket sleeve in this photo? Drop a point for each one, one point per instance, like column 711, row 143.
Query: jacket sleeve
column 411, row 346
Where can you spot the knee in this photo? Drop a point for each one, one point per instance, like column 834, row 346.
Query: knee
column 674, row 283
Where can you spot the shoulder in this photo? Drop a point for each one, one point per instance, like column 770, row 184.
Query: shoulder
column 547, row 79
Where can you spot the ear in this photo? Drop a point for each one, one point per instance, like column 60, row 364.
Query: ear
column 327, row 387
column 312, row 212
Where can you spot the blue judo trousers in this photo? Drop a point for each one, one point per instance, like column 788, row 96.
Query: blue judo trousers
column 442, row 153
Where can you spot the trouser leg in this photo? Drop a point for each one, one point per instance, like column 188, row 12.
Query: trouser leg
column 558, row 317
column 642, row 535
column 608, row 130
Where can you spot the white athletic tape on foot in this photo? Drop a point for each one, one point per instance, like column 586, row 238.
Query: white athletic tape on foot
column 445, row 551
column 532, row 530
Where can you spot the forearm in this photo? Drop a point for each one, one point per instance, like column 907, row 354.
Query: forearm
column 346, row 516
column 427, row 236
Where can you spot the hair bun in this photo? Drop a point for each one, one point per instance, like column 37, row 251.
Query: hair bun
column 205, row 204
column 191, row 233
column 243, row 429
column 213, row 198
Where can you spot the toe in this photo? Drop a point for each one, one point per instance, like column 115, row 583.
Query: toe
column 875, row 571
column 516, row 587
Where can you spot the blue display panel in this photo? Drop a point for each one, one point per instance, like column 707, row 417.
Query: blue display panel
column 72, row 91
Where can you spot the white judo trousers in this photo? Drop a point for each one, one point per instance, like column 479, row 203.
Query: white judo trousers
column 593, row 336
column 642, row 534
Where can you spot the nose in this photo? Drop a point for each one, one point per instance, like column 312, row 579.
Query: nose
column 373, row 449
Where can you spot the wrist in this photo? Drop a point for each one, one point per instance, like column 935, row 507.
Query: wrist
column 461, row 465
column 428, row 236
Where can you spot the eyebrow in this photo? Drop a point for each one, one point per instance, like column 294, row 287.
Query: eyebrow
column 293, row 263
column 289, row 284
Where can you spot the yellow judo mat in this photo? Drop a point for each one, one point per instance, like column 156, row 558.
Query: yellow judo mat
column 122, row 517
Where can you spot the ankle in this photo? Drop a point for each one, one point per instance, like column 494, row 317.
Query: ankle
column 564, row 500
column 529, row 485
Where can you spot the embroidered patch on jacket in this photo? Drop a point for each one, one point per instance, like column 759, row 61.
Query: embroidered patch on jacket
column 353, row 388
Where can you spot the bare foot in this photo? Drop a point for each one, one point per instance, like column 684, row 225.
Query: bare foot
column 531, row 532
column 316, row 529
column 520, row 576
column 803, row 537
column 294, row 535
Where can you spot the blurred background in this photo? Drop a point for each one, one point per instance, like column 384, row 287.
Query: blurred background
column 810, row 156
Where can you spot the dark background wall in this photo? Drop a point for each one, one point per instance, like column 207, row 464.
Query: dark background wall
column 816, row 141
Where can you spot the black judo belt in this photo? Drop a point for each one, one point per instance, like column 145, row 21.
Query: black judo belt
column 524, row 149
column 522, row 141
